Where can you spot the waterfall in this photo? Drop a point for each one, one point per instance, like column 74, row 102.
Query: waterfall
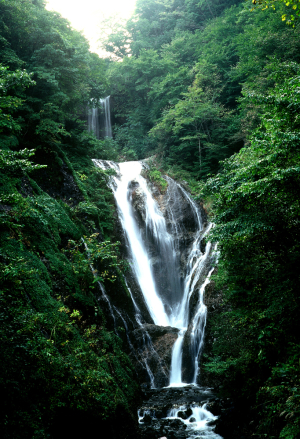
column 99, row 119
column 93, row 121
column 140, row 261
column 105, row 104
column 168, row 300
column 157, row 238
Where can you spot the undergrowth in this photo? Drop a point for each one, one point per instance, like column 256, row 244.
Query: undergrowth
column 58, row 352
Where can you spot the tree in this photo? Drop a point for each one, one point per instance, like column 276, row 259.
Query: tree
column 291, row 8
column 115, row 38
column 194, row 121
column 256, row 216
column 12, row 85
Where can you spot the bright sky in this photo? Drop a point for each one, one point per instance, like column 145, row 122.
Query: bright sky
column 86, row 15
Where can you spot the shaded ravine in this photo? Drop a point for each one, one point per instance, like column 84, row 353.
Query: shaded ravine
column 172, row 263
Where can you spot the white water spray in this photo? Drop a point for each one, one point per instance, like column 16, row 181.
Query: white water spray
column 198, row 421
column 165, row 309
column 99, row 119
column 105, row 104
column 93, row 121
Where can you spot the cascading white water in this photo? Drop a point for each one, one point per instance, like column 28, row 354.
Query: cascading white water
column 146, row 337
column 105, row 103
column 93, row 121
column 173, row 310
column 196, row 266
column 140, row 261
column 198, row 420
column 175, row 375
column 198, row 327
column 99, row 119
column 166, row 309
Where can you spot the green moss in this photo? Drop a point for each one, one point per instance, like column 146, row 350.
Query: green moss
column 154, row 175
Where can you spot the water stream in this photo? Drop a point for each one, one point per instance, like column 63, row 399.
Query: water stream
column 166, row 283
column 105, row 104
column 93, row 121
column 99, row 118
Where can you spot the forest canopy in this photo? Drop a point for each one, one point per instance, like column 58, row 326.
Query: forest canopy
column 210, row 89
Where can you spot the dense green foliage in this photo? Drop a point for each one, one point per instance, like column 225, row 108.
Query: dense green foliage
column 66, row 75
column 211, row 90
column 176, row 92
column 57, row 355
column 289, row 16
column 63, row 370
column 256, row 215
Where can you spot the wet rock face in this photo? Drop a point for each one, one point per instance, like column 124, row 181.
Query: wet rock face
column 59, row 184
column 188, row 362
column 214, row 301
column 153, row 345
column 158, row 332
column 159, row 405
column 138, row 201
column 179, row 214
column 182, row 224
column 181, row 221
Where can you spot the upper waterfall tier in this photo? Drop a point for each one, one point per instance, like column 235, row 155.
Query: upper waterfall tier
column 99, row 118
column 105, row 104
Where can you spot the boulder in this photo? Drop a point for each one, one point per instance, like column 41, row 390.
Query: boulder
column 147, row 419
column 153, row 344
column 138, row 198
column 181, row 414
column 189, row 412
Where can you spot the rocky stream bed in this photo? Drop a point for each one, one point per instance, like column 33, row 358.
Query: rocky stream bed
column 191, row 412
column 180, row 413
